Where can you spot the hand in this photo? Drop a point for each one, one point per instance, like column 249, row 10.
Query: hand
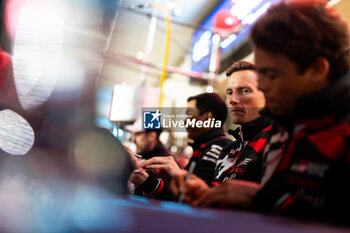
column 135, row 161
column 177, row 184
column 138, row 177
column 166, row 164
column 192, row 188
column 233, row 193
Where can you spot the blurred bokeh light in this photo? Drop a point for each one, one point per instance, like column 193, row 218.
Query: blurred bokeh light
column 16, row 135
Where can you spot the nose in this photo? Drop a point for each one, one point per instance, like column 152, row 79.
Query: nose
column 234, row 99
column 133, row 138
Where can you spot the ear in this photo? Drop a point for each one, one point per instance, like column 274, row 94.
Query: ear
column 320, row 70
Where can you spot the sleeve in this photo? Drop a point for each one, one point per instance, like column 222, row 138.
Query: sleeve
column 274, row 198
column 331, row 203
column 333, row 206
column 156, row 188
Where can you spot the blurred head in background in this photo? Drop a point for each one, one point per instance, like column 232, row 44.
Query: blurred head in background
column 146, row 140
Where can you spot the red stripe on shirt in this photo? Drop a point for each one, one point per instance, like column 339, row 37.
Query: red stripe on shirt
column 285, row 204
column 160, row 188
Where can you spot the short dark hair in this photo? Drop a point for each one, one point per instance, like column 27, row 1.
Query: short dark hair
column 304, row 31
column 240, row 66
column 210, row 102
column 158, row 131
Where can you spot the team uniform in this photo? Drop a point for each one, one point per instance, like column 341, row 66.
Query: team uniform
column 311, row 179
column 243, row 158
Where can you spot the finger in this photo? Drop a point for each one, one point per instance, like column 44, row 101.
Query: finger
column 217, row 200
column 196, row 183
column 163, row 167
column 207, row 198
column 134, row 161
column 172, row 160
column 154, row 160
column 195, row 188
column 177, row 182
column 180, row 179
column 191, row 186
column 138, row 178
column 188, row 199
column 173, row 188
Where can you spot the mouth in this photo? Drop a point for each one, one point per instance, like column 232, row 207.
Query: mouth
column 237, row 110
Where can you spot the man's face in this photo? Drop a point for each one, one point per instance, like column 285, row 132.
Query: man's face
column 142, row 142
column 243, row 99
column 280, row 82
column 192, row 110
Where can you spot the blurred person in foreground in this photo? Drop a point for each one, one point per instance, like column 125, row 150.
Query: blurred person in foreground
column 207, row 145
column 243, row 158
column 302, row 58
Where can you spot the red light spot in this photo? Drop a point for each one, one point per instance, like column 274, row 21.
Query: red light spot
column 12, row 11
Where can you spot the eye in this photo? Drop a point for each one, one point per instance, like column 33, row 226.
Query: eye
column 269, row 73
column 228, row 92
column 245, row 91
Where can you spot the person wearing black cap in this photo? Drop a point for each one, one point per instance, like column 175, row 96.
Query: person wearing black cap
column 147, row 141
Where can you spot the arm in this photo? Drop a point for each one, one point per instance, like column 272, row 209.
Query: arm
column 231, row 194
column 234, row 193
